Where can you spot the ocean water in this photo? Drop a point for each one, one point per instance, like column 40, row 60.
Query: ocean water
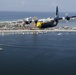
column 21, row 15
column 52, row 53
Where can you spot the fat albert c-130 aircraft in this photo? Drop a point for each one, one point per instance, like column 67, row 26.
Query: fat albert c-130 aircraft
column 50, row 22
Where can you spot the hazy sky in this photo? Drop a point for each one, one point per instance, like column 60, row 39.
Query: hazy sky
column 38, row 5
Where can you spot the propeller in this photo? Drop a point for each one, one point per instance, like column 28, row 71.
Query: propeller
column 67, row 18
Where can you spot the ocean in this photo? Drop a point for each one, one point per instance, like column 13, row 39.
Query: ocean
column 52, row 53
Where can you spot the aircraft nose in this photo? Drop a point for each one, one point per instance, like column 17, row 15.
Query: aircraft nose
column 39, row 24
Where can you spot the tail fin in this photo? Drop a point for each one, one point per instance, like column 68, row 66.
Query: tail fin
column 57, row 12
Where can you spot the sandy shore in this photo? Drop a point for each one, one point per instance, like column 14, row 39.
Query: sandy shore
column 33, row 31
column 36, row 30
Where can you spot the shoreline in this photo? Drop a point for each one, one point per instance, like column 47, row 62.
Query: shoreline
column 18, row 27
column 39, row 31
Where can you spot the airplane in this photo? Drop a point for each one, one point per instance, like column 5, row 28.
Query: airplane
column 49, row 22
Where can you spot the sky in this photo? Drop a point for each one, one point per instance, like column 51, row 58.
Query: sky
column 38, row 5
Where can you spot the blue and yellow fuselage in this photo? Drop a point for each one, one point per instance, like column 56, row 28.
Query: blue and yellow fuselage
column 46, row 24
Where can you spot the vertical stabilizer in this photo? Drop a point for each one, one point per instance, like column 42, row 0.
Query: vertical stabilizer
column 57, row 12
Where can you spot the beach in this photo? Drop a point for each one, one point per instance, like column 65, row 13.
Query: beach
column 3, row 32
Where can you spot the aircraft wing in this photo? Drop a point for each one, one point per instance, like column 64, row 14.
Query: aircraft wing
column 67, row 18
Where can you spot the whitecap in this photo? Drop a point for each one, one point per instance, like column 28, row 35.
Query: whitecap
column 67, row 33
column 1, row 49
column 59, row 34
